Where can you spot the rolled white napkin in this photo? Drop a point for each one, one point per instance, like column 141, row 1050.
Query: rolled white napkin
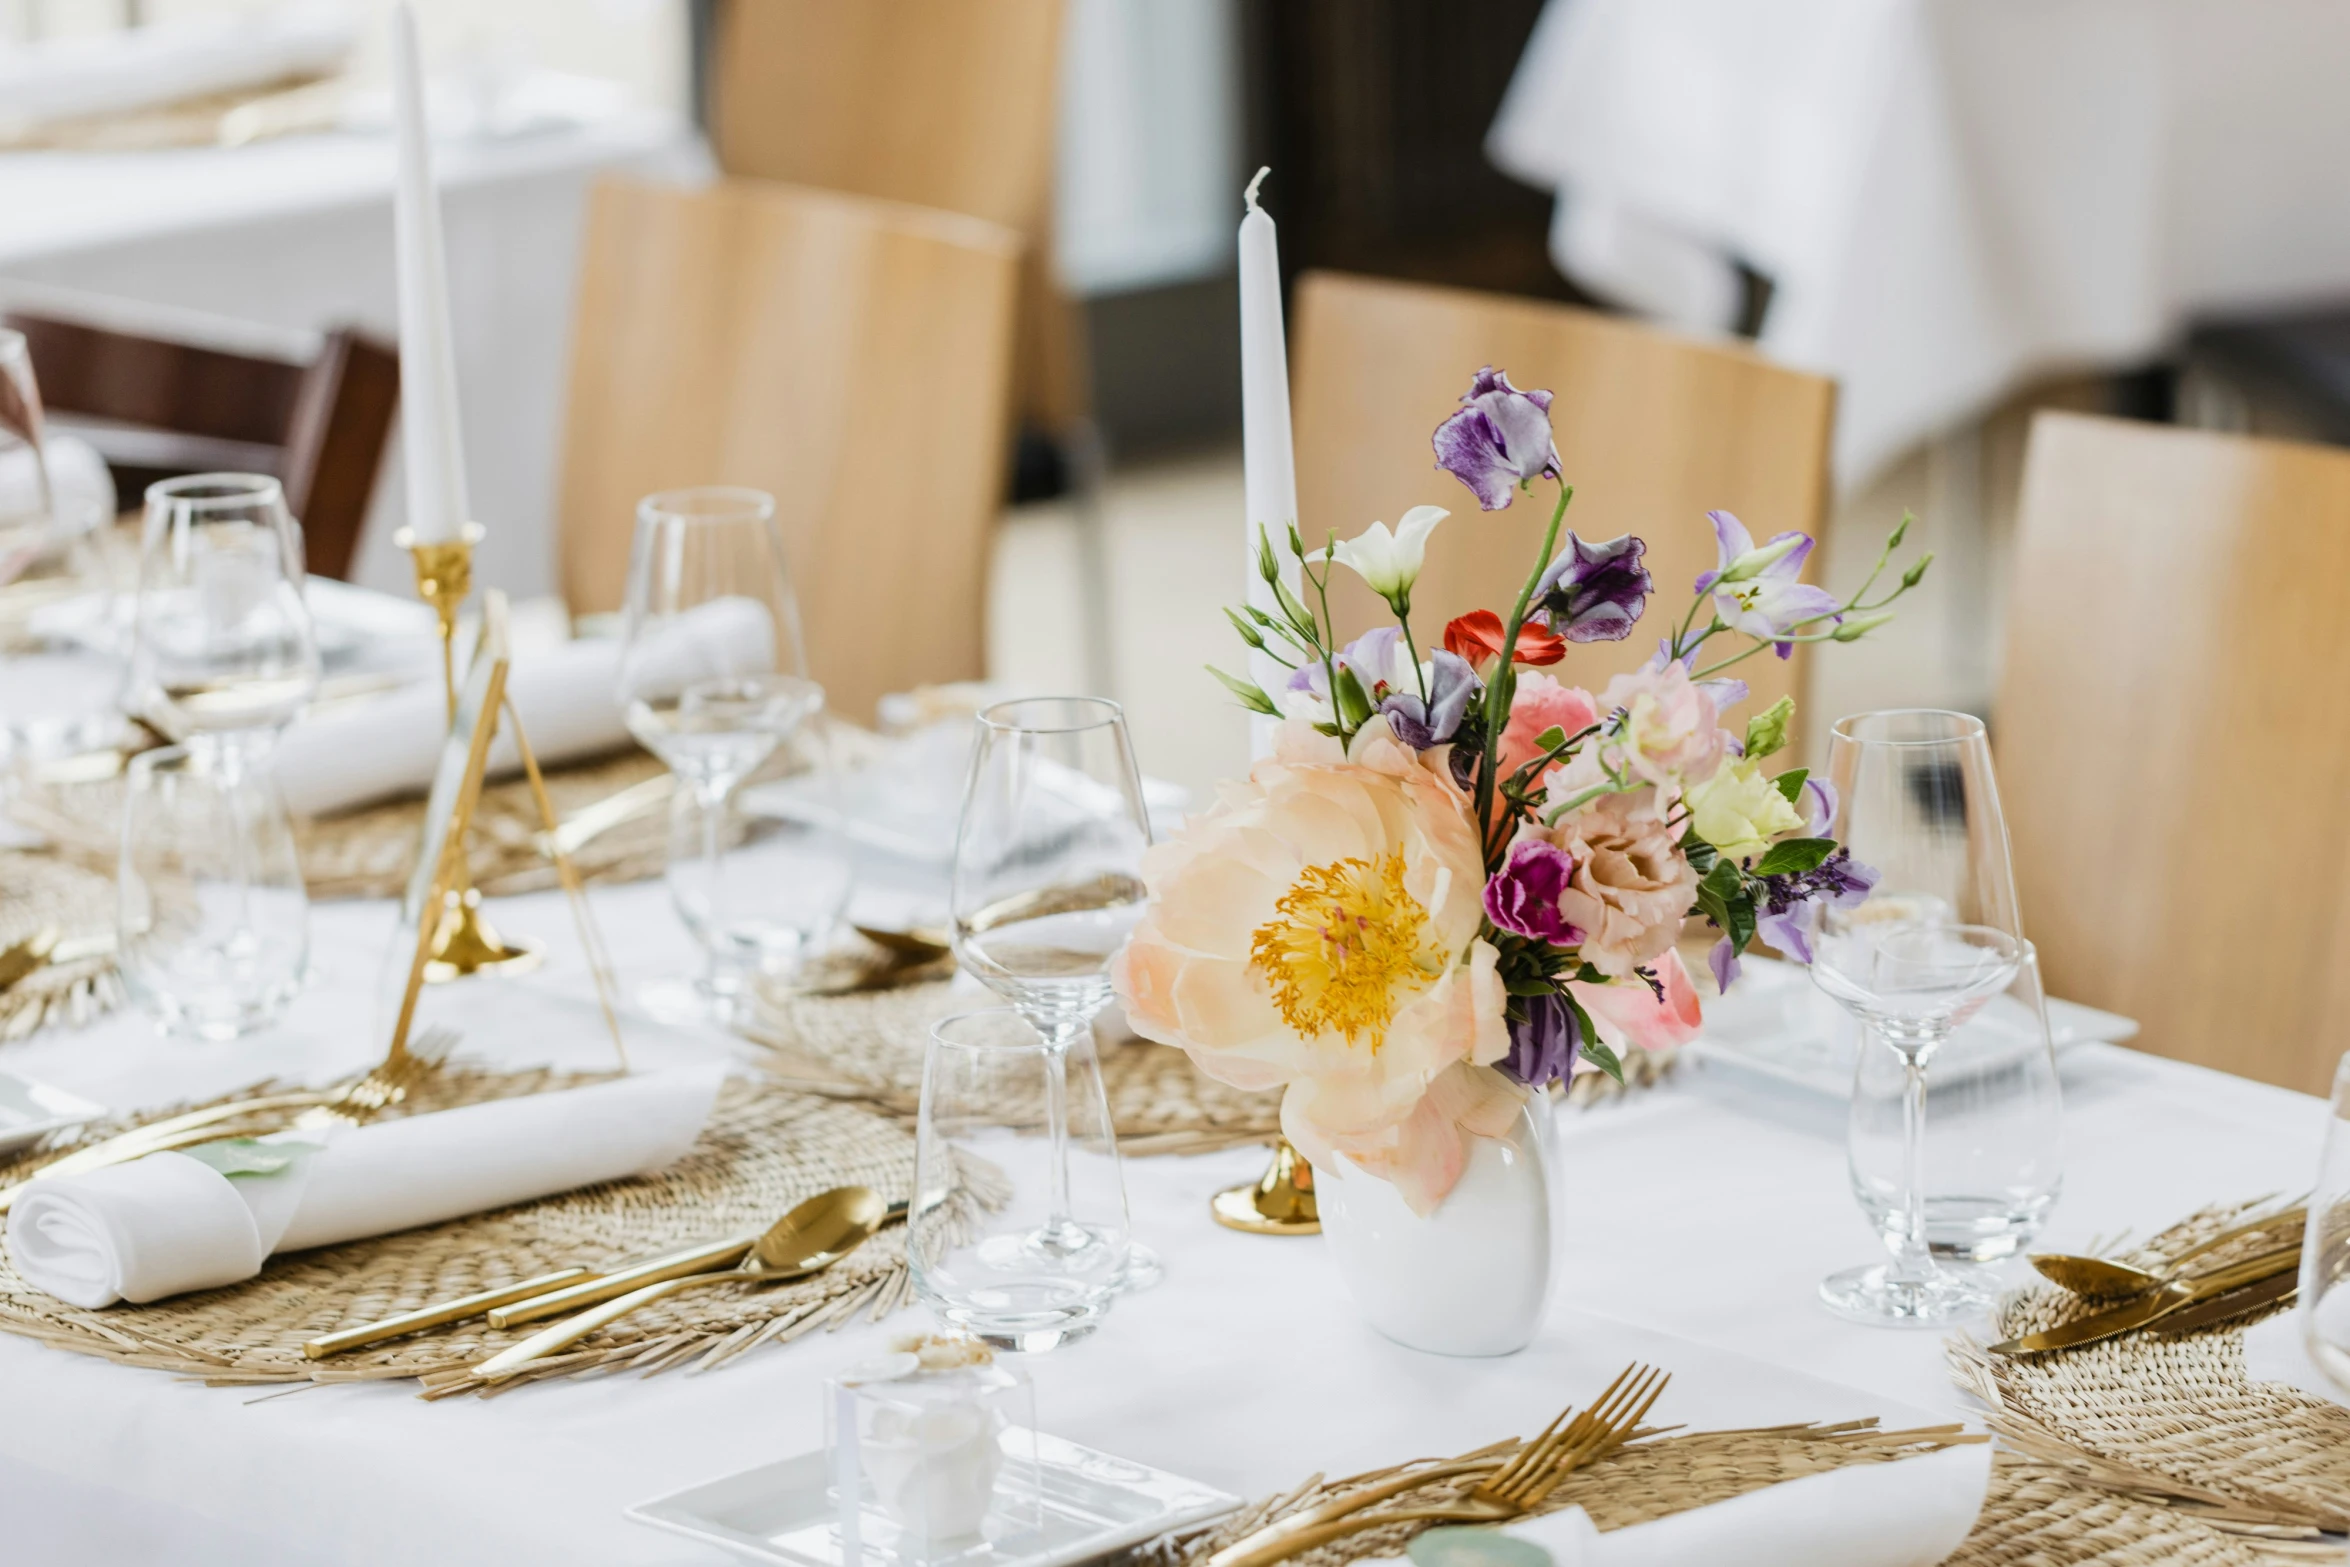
column 170, row 62
column 168, row 1223
column 568, row 696
column 1908, row 1513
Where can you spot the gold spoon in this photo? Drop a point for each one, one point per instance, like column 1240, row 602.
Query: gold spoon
column 2098, row 1278
column 807, row 1240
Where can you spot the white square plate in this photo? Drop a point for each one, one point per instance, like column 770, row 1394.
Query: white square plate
column 1093, row 1504
column 30, row 1111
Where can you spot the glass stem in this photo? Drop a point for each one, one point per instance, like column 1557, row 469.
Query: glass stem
column 714, row 796
column 1915, row 1260
column 1061, row 1034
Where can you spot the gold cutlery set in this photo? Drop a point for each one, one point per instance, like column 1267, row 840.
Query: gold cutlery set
column 2179, row 1299
column 812, row 1237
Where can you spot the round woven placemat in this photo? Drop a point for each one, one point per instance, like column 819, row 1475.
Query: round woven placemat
column 39, row 893
column 1635, row 1484
column 2164, row 1449
column 765, row 1148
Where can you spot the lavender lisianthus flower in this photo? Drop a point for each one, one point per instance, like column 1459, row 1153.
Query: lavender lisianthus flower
column 1523, row 896
column 1499, row 439
column 1452, row 686
column 1544, row 1042
column 1594, row 592
column 1755, row 589
column 1723, row 960
column 1793, row 904
column 1817, row 802
column 1378, row 661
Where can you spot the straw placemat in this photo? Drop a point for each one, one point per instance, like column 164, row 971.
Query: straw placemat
column 2159, row 1444
column 764, row 1149
column 1635, row 1484
column 39, row 893
column 868, row 1047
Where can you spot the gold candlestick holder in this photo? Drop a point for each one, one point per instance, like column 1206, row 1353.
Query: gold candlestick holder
column 1279, row 1202
column 462, row 942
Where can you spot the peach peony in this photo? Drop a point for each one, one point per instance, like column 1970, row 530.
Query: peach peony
column 1541, row 703
column 1631, row 886
column 1317, row 930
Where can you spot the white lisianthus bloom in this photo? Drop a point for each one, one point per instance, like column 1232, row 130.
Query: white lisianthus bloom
column 1390, row 562
column 1739, row 811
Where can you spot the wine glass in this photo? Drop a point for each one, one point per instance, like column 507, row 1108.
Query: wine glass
column 1048, row 873
column 1935, row 943
column 1039, row 1269
column 2325, row 1245
column 713, row 677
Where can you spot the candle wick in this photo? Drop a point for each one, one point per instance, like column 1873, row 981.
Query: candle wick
column 1249, row 196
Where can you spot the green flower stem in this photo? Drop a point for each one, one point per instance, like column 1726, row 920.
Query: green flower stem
column 1505, row 680
column 1328, row 631
column 1403, row 618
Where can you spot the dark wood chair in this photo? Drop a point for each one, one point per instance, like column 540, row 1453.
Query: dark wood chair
column 155, row 409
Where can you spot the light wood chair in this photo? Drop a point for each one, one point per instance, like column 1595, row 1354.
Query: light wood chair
column 848, row 355
column 2173, row 738
column 1654, row 431
column 950, row 104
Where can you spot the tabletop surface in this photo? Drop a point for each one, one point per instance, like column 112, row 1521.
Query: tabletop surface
column 1706, row 1209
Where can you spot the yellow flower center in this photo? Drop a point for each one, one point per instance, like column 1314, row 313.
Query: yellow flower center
column 1347, row 946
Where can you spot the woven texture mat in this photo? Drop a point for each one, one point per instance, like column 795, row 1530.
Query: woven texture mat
column 1635, row 1484
column 42, row 894
column 368, row 853
column 868, row 1047
column 764, row 1149
column 2146, row 1449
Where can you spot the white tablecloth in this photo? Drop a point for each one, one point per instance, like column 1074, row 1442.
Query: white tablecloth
column 1950, row 196
column 297, row 235
column 1707, row 1210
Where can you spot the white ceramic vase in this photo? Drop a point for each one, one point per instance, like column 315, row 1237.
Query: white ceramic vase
column 1472, row 1278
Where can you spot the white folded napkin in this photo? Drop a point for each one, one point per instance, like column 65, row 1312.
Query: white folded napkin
column 169, row 1223
column 568, row 696
column 169, row 62
column 1908, row 1513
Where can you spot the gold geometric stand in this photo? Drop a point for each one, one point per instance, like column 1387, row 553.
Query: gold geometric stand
column 1279, row 1202
column 463, row 942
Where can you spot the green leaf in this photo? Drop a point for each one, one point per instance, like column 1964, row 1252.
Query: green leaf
column 1532, row 987
column 234, row 1156
column 1602, row 1057
column 1251, row 696
column 1740, row 925
column 1790, row 783
column 1722, row 881
column 1699, row 853
column 1551, row 739
column 1766, row 731
column 1794, row 856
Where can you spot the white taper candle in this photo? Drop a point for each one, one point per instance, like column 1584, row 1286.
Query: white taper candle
column 429, row 437
column 1268, row 456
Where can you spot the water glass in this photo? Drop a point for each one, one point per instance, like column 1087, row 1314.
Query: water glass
column 1042, row 1268
column 713, row 677
column 2325, row 1245
column 222, row 643
column 776, row 892
column 212, row 914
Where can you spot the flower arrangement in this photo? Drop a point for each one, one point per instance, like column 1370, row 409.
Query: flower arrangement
column 1458, row 879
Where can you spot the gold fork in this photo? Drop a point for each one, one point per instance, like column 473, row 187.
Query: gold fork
column 384, row 1085
column 1512, row 1490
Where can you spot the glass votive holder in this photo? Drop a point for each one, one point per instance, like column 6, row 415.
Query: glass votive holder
column 933, row 1454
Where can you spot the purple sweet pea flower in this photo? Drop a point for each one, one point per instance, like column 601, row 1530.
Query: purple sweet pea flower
column 1499, row 439
column 1543, row 1043
column 1793, row 904
column 1726, row 691
column 1723, row 960
column 1452, row 686
column 1755, row 590
column 1523, row 896
column 1594, row 592
column 1817, row 801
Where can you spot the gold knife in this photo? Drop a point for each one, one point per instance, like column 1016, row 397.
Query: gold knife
column 438, row 1316
column 2277, row 1289
column 611, row 1286
column 2160, row 1304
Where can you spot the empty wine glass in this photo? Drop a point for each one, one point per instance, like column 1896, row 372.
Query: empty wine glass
column 1932, row 946
column 713, row 679
column 1047, row 870
column 1039, row 1268
column 2325, row 1245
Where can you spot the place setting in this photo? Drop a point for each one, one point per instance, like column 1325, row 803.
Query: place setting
column 707, row 976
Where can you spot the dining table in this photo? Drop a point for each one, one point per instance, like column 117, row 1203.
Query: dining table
column 1700, row 1214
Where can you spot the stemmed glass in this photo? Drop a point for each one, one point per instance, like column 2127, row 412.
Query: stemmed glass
column 1047, row 885
column 1936, row 941
column 713, row 676
column 223, row 656
column 2325, row 1245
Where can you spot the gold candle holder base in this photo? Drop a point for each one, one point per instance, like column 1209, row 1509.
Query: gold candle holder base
column 1279, row 1202
column 463, row 943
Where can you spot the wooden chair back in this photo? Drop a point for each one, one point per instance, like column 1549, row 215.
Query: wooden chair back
column 156, row 408
column 848, row 356
column 2177, row 675
column 950, row 104
column 1653, row 430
